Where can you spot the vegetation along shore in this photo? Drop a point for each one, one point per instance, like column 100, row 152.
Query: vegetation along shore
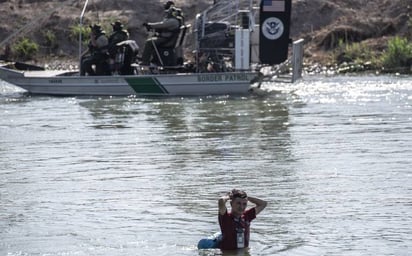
column 340, row 35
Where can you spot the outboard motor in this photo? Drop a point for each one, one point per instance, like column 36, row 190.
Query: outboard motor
column 126, row 53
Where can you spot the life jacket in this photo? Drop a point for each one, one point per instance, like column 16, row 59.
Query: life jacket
column 169, row 32
column 178, row 14
column 115, row 38
column 118, row 36
column 101, row 39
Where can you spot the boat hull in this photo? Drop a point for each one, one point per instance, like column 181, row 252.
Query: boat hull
column 191, row 84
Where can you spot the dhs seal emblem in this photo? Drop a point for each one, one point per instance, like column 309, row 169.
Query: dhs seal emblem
column 272, row 28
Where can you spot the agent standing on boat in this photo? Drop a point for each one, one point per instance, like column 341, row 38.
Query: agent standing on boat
column 165, row 30
column 235, row 225
column 97, row 53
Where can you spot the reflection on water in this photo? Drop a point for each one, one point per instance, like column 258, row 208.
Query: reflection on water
column 127, row 176
column 216, row 252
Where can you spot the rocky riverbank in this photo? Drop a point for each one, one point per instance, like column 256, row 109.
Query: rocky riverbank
column 328, row 27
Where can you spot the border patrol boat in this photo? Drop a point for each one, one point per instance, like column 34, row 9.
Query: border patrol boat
column 235, row 41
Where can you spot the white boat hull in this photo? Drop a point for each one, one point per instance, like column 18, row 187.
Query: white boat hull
column 193, row 84
column 219, row 46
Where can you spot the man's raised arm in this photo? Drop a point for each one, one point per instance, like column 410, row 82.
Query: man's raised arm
column 260, row 204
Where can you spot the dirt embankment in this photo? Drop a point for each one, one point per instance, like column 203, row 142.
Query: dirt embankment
column 323, row 24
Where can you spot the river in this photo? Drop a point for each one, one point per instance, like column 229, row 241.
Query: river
column 142, row 176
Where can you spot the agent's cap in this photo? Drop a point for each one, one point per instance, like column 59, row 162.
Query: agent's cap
column 117, row 25
column 168, row 4
column 96, row 28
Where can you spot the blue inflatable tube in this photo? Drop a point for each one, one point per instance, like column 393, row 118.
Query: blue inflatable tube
column 211, row 242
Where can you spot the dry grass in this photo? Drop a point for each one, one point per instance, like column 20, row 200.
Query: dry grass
column 323, row 24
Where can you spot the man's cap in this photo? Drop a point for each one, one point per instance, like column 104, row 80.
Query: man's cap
column 117, row 24
column 168, row 4
column 96, row 28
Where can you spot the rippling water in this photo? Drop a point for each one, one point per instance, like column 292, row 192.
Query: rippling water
column 141, row 176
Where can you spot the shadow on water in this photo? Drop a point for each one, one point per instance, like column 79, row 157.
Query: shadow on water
column 110, row 113
column 225, row 119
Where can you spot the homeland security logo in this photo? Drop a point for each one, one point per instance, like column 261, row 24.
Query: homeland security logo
column 272, row 28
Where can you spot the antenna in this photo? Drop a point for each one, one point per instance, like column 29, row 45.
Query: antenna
column 80, row 34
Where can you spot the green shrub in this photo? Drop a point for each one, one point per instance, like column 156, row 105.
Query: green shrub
column 25, row 49
column 356, row 53
column 75, row 31
column 49, row 37
column 50, row 40
column 398, row 55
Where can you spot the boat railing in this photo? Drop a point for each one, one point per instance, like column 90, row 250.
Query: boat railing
column 289, row 71
column 215, row 28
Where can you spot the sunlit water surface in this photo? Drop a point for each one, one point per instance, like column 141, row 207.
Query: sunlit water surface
column 141, row 176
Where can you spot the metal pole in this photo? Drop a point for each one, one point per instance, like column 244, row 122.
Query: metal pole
column 80, row 34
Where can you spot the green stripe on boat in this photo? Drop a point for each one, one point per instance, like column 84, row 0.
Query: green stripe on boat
column 148, row 85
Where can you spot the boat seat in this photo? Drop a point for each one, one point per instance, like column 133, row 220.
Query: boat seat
column 171, row 54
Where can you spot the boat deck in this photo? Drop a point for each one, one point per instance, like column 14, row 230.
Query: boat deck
column 47, row 73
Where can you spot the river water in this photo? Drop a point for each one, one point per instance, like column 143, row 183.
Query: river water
column 141, row 176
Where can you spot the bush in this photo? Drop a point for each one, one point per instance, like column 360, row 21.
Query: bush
column 398, row 55
column 50, row 40
column 396, row 58
column 354, row 52
column 75, row 31
column 355, row 57
column 25, row 49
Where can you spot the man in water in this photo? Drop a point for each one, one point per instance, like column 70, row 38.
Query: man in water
column 235, row 225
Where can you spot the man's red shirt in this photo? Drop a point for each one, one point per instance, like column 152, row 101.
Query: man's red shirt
column 228, row 226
